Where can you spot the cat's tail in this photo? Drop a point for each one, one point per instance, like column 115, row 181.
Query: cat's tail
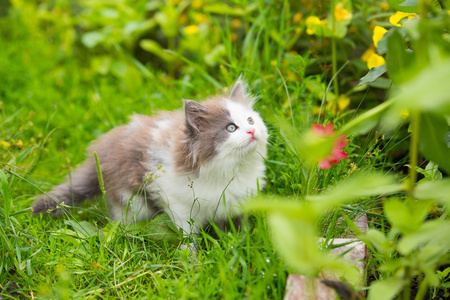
column 83, row 184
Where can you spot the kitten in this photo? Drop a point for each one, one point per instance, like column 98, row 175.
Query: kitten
column 197, row 167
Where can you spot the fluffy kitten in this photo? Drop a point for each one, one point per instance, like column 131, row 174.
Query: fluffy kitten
column 196, row 166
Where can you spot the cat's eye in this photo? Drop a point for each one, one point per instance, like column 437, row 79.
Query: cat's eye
column 250, row 121
column 231, row 127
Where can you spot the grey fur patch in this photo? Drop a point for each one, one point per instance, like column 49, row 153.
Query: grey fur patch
column 202, row 139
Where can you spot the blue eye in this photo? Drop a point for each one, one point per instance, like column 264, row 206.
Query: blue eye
column 250, row 121
column 231, row 127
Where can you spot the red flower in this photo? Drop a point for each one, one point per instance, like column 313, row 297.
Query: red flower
column 338, row 144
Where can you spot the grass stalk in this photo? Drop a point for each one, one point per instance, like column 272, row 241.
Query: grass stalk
column 102, row 185
column 413, row 152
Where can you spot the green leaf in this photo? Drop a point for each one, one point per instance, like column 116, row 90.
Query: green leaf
column 428, row 91
column 436, row 190
column 431, row 172
column 92, row 38
column 377, row 239
column 432, row 132
column 435, row 231
column 167, row 19
column 360, row 185
column 223, row 9
column 119, row 68
column 399, row 61
column 4, row 189
column 385, row 289
column 83, row 229
column 297, row 243
column 160, row 228
column 366, row 121
column 155, row 48
column 373, row 74
column 303, row 210
column 397, row 4
column 407, row 215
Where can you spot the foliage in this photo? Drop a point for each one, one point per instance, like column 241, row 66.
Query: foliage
column 377, row 70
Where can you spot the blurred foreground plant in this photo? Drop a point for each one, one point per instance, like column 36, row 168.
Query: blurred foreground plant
column 414, row 245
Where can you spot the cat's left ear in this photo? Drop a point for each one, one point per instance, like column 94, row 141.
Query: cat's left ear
column 239, row 92
column 194, row 113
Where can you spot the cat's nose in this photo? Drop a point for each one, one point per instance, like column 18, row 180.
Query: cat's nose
column 251, row 131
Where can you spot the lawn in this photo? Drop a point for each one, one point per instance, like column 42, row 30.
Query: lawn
column 377, row 71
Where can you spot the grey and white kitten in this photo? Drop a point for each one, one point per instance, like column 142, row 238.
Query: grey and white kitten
column 198, row 166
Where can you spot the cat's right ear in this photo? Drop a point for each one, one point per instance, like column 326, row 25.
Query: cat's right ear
column 194, row 113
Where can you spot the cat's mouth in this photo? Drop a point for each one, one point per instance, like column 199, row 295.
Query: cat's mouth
column 252, row 140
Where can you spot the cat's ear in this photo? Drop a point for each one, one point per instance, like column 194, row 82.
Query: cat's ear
column 194, row 113
column 239, row 92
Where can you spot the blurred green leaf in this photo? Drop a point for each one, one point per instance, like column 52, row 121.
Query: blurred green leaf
column 377, row 239
column 432, row 132
column 385, row 289
column 223, row 9
column 297, row 242
column 360, row 185
column 155, row 48
column 436, row 190
column 399, row 61
column 167, row 18
column 406, row 215
column 119, row 68
column 434, row 231
column 92, row 38
column 428, row 91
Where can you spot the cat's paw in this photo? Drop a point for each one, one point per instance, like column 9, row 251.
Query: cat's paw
column 46, row 206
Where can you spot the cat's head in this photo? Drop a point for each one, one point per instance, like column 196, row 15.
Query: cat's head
column 225, row 127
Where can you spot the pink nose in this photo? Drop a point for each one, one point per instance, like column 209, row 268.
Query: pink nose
column 251, row 131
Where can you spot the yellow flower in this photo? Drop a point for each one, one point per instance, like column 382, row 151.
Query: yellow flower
column 197, row 4
column 5, row 144
column 343, row 102
column 311, row 24
column 200, row 18
column 234, row 37
column 367, row 54
column 191, row 29
column 236, row 23
column 378, row 33
column 398, row 16
column 183, row 19
column 340, row 13
column 297, row 19
column 19, row 143
column 375, row 60
column 404, row 114
column 384, row 6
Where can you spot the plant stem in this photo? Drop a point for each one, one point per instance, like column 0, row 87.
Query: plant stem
column 413, row 152
column 422, row 289
column 333, row 49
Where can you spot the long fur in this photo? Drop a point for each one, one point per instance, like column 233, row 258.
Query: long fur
column 186, row 164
